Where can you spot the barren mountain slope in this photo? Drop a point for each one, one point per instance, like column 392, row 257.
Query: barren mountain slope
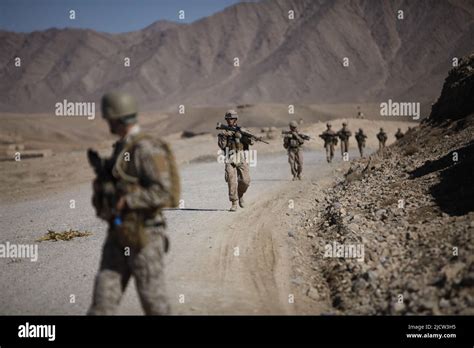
column 281, row 60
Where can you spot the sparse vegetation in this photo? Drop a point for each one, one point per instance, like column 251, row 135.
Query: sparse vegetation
column 66, row 235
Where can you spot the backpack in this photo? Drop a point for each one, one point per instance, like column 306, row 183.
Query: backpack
column 166, row 164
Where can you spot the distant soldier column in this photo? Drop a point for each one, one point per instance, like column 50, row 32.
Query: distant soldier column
column 360, row 137
column 292, row 141
column 344, row 134
column 237, row 174
column 382, row 137
column 330, row 140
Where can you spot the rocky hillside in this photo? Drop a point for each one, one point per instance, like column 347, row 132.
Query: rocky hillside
column 281, row 60
column 412, row 208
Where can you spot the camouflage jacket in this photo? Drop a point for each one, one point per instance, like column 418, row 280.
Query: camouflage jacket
column 329, row 137
column 360, row 137
column 293, row 141
column 344, row 134
column 382, row 136
column 139, row 178
column 227, row 139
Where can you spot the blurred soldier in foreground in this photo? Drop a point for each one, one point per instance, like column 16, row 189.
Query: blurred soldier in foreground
column 131, row 188
column 382, row 137
column 344, row 134
column 292, row 141
column 360, row 137
column 330, row 140
column 399, row 134
column 234, row 141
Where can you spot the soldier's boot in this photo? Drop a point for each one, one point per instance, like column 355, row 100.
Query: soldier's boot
column 241, row 202
column 234, row 206
column 299, row 176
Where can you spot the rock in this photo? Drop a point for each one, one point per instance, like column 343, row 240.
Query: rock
column 412, row 285
column 297, row 281
column 313, row 294
column 353, row 227
column 359, row 284
column 370, row 276
column 398, row 307
column 452, row 271
column 381, row 214
column 443, row 303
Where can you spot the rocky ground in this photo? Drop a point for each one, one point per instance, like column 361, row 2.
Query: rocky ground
column 411, row 208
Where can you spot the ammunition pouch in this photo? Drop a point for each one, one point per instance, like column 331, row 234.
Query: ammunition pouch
column 131, row 232
column 294, row 143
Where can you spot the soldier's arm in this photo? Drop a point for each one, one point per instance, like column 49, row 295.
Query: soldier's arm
column 154, row 190
column 222, row 140
column 299, row 138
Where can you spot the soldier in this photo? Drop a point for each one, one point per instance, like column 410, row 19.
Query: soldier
column 382, row 137
column 292, row 141
column 330, row 140
column 399, row 134
column 237, row 175
column 344, row 134
column 131, row 188
column 360, row 137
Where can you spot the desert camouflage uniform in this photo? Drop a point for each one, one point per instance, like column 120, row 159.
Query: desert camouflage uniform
column 145, row 264
column 360, row 137
column 399, row 134
column 382, row 137
column 295, row 154
column 344, row 134
column 237, row 173
column 330, row 139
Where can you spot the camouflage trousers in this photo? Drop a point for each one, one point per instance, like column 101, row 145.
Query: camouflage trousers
column 117, row 267
column 329, row 151
column 361, row 148
column 238, row 179
column 344, row 146
column 295, row 159
column 381, row 144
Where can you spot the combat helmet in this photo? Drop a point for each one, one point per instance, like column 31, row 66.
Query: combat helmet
column 293, row 124
column 119, row 106
column 231, row 115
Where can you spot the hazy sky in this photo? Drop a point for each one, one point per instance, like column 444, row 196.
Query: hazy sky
column 103, row 15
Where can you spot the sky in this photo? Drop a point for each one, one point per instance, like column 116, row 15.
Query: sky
column 113, row 16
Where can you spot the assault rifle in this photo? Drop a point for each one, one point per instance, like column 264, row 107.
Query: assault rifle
column 241, row 131
column 105, row 193
column 289, row 134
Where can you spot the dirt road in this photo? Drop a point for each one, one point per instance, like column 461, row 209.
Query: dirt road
column 219, row 263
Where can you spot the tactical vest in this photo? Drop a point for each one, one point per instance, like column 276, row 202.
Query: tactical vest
column 131, row 231
column 360, row 137
column 344, row 134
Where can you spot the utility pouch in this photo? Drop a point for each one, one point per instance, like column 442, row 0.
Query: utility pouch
column 131, row 232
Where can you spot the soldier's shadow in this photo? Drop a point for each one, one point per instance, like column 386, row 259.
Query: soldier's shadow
column 271, row 179
column 193, row 209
